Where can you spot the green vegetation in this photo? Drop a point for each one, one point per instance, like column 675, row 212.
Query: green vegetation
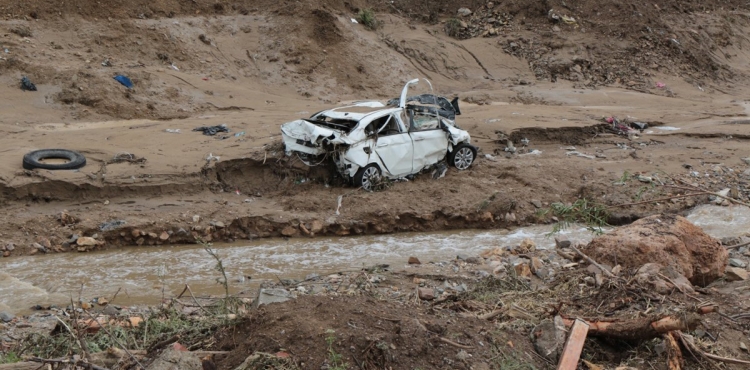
column 335, row 359
column 594, row 216
column 367, row 18
column 453, row 27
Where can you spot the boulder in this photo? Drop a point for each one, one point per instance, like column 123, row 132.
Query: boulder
column 668, row 240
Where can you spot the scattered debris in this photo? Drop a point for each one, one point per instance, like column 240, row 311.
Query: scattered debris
column 212, row 130
column 124, row 81
column 26, row 84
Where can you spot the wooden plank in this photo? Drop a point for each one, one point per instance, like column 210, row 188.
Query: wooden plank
column 573, row 346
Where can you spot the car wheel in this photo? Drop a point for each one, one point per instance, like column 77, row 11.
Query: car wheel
column 462, row 156
column 367, row 177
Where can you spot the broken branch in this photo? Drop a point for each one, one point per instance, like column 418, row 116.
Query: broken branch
column 638, row 329
column 688, row 343
column 591, row 261
column 674, row 355
column 454, row 344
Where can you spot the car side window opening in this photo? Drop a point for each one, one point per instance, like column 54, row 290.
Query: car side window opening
column 423, row 122
column 383, row 126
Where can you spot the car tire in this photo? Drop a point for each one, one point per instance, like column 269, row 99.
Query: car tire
column 364, row 178
column 33, row 159
column 462, row 156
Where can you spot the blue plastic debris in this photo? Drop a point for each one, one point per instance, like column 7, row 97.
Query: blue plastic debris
column 124, row 81
column 26, row 84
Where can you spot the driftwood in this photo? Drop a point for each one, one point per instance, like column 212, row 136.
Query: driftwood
column 673, row 351
column 573, row 346
column 637, row 329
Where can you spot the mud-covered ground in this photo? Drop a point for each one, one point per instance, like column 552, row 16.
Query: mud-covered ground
column 550, row 73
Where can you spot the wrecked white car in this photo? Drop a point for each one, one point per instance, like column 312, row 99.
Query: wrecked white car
column 370, row 140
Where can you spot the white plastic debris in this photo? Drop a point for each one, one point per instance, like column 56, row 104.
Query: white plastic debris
column 174, row 67
column 354, row 21
column 173, row 130
column 212, row 157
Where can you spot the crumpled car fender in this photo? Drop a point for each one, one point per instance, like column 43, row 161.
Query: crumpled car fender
column 305, row 137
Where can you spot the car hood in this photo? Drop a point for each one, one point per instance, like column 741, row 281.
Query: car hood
column 307, row 137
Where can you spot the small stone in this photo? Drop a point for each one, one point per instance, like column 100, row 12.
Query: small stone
column 418, row 281
column 39, row 247
column 153, row 235
column 522, row 270
column 86, row 305
column 736, row 262
column 464, row 12
column 736, row 274
column 746, row 160
column 561, row 242
column 316, row 226
column 6, row 316
column 742, row 344
column 86, row 241
column 102, row 301
column 6, row 254
column 267, row 296
column 589, row 280
column 536, row 264
column 10, row 247
column 616, row 270
column 164, row 235
column 135, row 233
column 536, row 203
column 218, row 224
column 196, row 219
column 474, row 260
column 288, row 231
column 527, row 245
column 426, row 294
column 414, row 261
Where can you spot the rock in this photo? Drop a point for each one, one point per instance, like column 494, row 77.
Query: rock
column 268, row 296
column 736, row 262
column 86, row 305
column 474, row 260
column 153, row 235
column 86, row 241
column 316, row 226
column 494, row 252
column 527, row 245
column 464, row 12
column 414, row 261
column 486, row 217
column 536, row 264
column 649, row 274
column 746, row 160
column 549, row 338
column 616, row 270
column 289, row 231
column 39, row 247
column 536, row 203
column 736, row 274
column 426, row 294
column 174, row 359
column 102, row 301
column 6, row 254
column 164, row 235
column 218, row 224
column 44, row 242
column 562, row 242
column 135, row 233
column 10, row 247
column 743, row 346
column 522, row 270
column 669, row 240
column 196, row 219
column 6, row 316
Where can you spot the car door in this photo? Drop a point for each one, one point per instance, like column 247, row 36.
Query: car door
column 394, row 148
column 430, row 140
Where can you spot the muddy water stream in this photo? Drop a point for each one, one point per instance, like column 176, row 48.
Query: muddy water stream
column 145, row 274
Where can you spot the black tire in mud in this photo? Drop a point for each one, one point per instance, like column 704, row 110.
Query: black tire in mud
column 367, row 177
column 462, row 156
column 33, row 159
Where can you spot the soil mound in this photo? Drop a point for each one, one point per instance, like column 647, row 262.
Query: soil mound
column 668, row 240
